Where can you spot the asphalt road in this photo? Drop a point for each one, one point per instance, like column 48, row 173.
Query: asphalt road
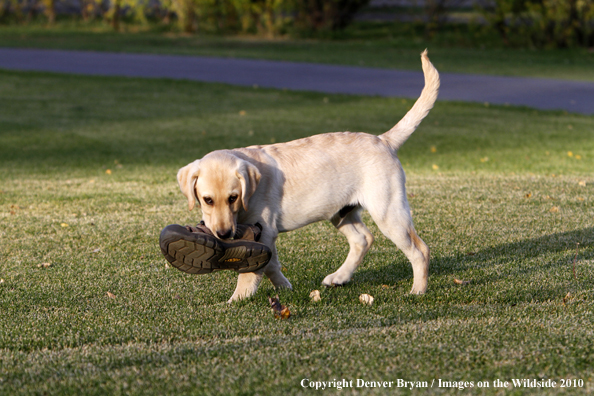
column 545, row 94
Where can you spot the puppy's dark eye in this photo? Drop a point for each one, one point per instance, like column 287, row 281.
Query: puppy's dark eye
column 208, row 201
column 232, row 199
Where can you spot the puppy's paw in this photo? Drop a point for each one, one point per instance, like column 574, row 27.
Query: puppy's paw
column 236, row 297
column 336, row 279
column 286, row 285
column 280, row 282
column 247, row 285
column 419, row 289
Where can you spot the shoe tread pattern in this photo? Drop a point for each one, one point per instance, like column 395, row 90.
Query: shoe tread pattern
column 196, row 254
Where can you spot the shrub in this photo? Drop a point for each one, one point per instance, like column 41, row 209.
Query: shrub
column 265, row 17
column 316, row 15
column 542, row 23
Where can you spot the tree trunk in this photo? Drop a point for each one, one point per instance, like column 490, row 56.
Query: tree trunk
column 115, row 19
column 190, row 16
column 84, row 10
column 50, row 11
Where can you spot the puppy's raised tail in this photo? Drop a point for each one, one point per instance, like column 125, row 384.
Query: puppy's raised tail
column 396, row 136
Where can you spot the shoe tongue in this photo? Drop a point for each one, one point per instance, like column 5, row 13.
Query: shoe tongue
column 243, row 231
column 247, row 231
column 202, row 228
column 192, row 229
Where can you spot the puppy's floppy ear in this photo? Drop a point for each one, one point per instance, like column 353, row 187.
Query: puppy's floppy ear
column 249, row 177
column 186, row 178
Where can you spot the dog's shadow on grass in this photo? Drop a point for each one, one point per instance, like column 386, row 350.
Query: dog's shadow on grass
column 514, row 260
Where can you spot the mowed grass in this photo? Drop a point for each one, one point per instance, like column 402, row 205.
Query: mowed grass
column 458, row 48
column 87, row 180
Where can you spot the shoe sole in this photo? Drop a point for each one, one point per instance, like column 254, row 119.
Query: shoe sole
column 199, row 253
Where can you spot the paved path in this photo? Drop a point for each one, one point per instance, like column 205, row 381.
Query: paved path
column 573, row 96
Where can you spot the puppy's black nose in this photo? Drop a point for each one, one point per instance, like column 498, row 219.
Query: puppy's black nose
column 225, row 235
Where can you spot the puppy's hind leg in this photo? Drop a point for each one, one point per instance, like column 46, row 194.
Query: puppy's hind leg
column 396, row 223
column 360, row 241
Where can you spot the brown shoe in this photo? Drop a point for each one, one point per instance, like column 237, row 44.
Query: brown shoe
column 249, row 232
column 196, row 250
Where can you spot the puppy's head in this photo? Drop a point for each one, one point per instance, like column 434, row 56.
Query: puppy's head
column 222, row 184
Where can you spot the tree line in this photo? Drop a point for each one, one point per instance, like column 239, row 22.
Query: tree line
column 264, row 17
column 543, row 23
column 539, row 23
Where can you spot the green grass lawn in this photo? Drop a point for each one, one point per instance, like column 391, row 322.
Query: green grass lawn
column 460, row 49
column 87, row 180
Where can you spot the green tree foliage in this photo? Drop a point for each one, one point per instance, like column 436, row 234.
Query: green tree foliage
column 536, row 23
column 543, row 23
column 263, row 17
column 185, row 10
column 318, row 15
column 436, row 12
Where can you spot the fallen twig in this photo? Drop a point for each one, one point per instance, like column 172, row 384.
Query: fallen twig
column 567, row 298
column 461, row 282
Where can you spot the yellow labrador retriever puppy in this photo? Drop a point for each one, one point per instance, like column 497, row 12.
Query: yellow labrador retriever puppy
column 332, row 176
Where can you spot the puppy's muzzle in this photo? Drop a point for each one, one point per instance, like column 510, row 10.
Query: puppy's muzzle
column 225, row 234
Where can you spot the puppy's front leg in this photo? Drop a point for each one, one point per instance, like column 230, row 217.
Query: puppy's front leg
column 273, row 271
column 247, row 284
